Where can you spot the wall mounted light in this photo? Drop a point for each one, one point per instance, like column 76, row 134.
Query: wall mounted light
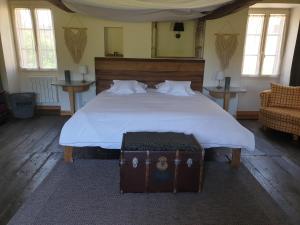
column 178, row 27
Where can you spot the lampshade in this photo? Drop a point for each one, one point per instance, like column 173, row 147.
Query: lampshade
column 178, row 27
column 83, row 69
column 220, row 76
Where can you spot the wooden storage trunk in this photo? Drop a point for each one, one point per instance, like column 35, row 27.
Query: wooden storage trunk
column 160, row 162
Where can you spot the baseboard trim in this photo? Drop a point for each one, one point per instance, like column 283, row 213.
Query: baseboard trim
column 247, row 115
column 65, row 113
column 48, row 110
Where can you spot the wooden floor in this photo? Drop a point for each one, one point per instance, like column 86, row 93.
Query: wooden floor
column 29, row 150
column 276, row 165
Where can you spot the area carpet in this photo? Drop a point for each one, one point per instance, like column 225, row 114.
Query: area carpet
column 87, row 193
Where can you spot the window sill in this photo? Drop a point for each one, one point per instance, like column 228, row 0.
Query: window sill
column 260, row 77
column 38, row 70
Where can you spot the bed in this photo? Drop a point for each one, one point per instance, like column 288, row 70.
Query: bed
column 104, row 119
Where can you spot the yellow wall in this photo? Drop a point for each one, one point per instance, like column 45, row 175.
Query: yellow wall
column 236, row 23
column 136, row 44
column 170, row 46
column 113, row 40
column 137, row 41
column 9, row 75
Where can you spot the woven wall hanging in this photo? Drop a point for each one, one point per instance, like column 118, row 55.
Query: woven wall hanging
column 76, row 40
column 226, row 45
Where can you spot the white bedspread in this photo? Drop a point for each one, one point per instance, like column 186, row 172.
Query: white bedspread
column 103, row 121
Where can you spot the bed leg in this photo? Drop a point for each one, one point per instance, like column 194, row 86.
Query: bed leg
column 68, row 154
column 236, row 158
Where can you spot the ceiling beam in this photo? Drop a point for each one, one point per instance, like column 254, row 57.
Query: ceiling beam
column 229, row 8
column 60, row 5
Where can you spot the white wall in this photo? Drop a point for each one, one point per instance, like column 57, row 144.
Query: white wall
column 290, row 46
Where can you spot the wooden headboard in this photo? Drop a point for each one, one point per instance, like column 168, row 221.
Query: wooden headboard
column 148, row 71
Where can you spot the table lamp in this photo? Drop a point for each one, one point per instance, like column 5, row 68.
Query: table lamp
column 219, row 77
column 83, row 69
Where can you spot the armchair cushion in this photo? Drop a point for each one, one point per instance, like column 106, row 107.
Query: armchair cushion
column 278, row 114
column 284, row 96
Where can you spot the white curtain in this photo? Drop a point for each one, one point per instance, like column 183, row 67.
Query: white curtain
column 144, row 10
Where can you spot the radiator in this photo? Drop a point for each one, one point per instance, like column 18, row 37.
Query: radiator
column 46, row 93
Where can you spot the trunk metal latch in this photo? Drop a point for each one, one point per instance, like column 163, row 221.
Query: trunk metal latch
column 189, row 162
column 135, row 162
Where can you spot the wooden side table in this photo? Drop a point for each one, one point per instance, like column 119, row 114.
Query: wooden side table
column 72, row 88
column 221, row 93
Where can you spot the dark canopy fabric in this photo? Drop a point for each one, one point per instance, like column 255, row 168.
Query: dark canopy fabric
column 295, row 72
column 145, row 10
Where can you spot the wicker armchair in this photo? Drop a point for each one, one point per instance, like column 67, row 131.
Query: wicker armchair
column 281, row 112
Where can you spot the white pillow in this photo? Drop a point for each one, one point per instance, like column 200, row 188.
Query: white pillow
column 136, row 83
column 126, row 87
column 162, row 87
column 145, row 86
column 177, row 88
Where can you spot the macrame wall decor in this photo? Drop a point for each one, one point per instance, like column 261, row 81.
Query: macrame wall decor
column 76, row 40
column 226, row 45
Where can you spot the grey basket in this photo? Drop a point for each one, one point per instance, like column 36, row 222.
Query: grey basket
column 23, row 105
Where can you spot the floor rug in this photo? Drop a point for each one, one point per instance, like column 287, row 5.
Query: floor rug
column 87, row 193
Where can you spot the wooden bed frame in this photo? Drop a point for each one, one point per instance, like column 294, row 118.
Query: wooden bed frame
column 150, row 72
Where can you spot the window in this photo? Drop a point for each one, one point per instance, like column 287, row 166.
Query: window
column 264, row 42
column 35, row 39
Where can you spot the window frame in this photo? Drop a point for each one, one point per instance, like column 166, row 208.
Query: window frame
column 35, row 35
column 267, row 12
